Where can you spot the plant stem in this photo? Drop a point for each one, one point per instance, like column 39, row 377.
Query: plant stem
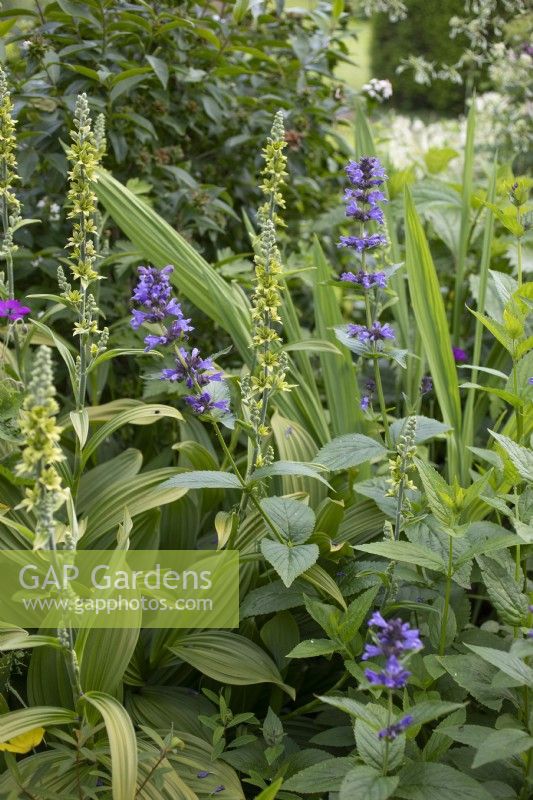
column 519, row 249
column 445, row 611
column 377, row 379
column 387, row 743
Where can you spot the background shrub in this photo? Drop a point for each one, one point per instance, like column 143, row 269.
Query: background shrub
column 425, row 32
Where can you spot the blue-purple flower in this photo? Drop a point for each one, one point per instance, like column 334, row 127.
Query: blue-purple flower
column 367, row 241
column 392, row 638
column 203, row 403
column 192, row 369
column 393, row 731
column 375, row 333
column 393, row 676
column 154, row 293
column 367, row 280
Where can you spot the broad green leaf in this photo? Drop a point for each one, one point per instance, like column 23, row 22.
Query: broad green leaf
column 13, row 638
column 354, row 708
column 432, row 324
column 504, row 591
column 17, row 723
column 340, row 383
column 426, row 781
column 406, row 552
column 271, row 791
column 369, row 745
column 475, row 676
column 311, row 648
column 522, row 457
column 203, row 479
column 325, row 776
column 348, row 451
column 428, row 710
column 513, row 666
column 438, row 158
column 294, row 519
column 287, row 468
column 356, row 614
column 229, row 659
column 122, row 743
column 367, row 783
column 104, row 655
column 500, row 745
column 289, row 562
column 116, row 415
column 426, row 428
column 160, row 67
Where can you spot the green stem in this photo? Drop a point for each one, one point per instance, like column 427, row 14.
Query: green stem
column 377, row 378
column 387, row 742
column 444, row 623
column 518, row 412
column 519, row 250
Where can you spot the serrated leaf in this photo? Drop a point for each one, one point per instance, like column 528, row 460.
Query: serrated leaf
column 370, row 748
column 426, row 781
column 406, row 552
column 367, row 783
column 348, row 451
column 504, row 591
column 521, row 457
column 501, row 744
column 326, row 776
column 289, row 562
column 294, row 519
column 513, row 666
column 287, row 468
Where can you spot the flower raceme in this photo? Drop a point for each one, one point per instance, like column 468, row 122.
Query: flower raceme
column 153, row 293
column 394, row 639
column 375, row 333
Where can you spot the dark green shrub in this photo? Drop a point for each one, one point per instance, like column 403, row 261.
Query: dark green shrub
column 425, row 32
column 187, row 94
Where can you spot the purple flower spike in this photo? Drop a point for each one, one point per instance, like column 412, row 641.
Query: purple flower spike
column 375, row 333
column 365, row 242
column 394, row 730
column 460, row 356
column 393, row 638
column 367, row 280
column 394, row 676
column 193, row 369
column 204, row 403
column 13, row 310
column 530, row 381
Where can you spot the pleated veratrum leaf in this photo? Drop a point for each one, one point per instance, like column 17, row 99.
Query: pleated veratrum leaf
column 139, row 414
column 160, row 244
column 466, row 224
column 340, row 382
column 229, row 659
column 104, row 654
column 294, row 443
column 122, row 743
column 432, row 324
column 17, row 723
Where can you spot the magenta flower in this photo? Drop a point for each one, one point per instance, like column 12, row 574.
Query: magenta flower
column 13, row 310
column 460, row 356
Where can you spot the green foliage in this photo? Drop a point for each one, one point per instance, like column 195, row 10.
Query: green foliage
column 424, row 32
